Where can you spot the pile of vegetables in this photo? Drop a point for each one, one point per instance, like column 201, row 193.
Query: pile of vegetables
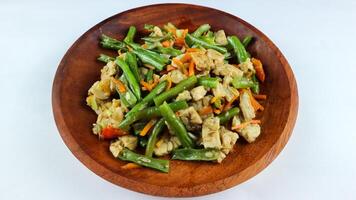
column 176, row 93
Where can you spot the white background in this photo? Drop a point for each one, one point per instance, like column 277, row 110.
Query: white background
column 317, row 38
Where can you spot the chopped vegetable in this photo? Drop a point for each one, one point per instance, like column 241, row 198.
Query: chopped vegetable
column 259, row 69
column 191, row 40
column 177, row 92
column 110, row 132
column 158, row 164
column 153, row 137
column 176, row 125
column 196, row 154
column 209, row 82
column 226, row 116
column 130, row 166
column 105, row 58
column 148, row 126
column 149, row 113
column 183, row 85
column 130, row 34
column 238, row 47
column 135, row 87
column 200, row 30
column 246, row 41
column 131, row 60
column 111, row 43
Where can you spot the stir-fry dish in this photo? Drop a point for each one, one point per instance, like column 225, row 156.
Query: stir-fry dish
column 178, row 94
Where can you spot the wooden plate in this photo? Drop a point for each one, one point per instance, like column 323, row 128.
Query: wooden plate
column 79, row 69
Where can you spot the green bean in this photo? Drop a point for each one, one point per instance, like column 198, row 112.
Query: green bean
column 180, row 87
column 200, row 30
column 227, row 115
column 135, row 87
column 176, row 125
column 134, row 45
column 155, row 112
column 131, row 60
column 149, row 113
column 210, row 82
column 209, row 40
column 153, row 137
column 169, row 51
column 130, row 34
column 148, row 59
column 196, row 154
column 105, row 58
column 246, row 41
column 152, row 46
column 148, row 27
column 127, row 97
column 155, row 39
column 242, row 82
column 256, row 86
column 191, row 40
column 158, row 57
column 148, row 99
column 238, row 47
column 149, row 75
column 169, row 26
column 158, row 164
column 111, row 43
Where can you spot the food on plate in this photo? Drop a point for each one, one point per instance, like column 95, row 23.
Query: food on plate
column 174, row 93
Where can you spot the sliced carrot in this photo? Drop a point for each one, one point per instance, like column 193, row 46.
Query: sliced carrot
column 147, row 127
column 131, row 166
column 186, row 58
column 185, row 32
column 228, row 105
column 172, row 30
column 191, row 71
column 206, row 110
column 170, row 68
column 146, row 85
column 260, row 73
column 218, row 110
column 185, row 69
column 192, row 50
column 179, row 42
column 256, row 106
column 181, row 66
column 243, row 125
column 178, row 62
column 260, row 96
column 110, row 132
column 120, row 85
column 166, row 43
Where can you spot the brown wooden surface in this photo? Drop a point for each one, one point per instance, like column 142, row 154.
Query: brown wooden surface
column 79, row 69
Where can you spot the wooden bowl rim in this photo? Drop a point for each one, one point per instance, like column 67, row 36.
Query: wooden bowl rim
column 197, row 190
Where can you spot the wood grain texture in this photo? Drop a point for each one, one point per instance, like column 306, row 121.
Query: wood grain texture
column 79, row 69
